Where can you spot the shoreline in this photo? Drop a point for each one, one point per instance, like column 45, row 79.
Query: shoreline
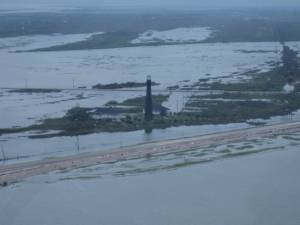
column 16, row 172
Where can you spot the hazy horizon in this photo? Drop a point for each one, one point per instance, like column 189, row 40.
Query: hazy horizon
column 143, row 4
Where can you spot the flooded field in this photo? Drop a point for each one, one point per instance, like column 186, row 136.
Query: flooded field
column 18, row 147
column 71, row 69
column 227, row 61
column 178, row 35
column 73, row 81
column 79, row 147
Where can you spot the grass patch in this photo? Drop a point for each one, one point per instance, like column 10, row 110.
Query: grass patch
column 242, row 111
column 245, row 147
column 273, row 80
column 291, row 138
column 122, row 85
column 140, row 101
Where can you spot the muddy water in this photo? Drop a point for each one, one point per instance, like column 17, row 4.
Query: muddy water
column 20, row 148
column 255, row 189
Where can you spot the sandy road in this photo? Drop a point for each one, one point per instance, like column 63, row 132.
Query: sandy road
column 17, row 172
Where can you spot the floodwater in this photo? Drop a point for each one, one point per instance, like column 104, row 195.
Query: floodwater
column 260, row 189
column 18, row 147
column 227, row 62
column 228, row 185
column 179, row 62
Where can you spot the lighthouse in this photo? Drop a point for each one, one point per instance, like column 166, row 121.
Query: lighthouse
column 148, row 100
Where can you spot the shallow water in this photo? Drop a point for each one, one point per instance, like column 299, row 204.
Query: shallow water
column 173, row 161
column 24, row 109
column 18, row 147
column 63, row 69
column 89, row 67
column 178, row 35
column 23, row 43
column 255, row 189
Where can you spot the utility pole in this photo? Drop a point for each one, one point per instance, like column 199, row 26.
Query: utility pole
column 183, row 101
column 121, row 141
column 3, row 153
column 77, row 144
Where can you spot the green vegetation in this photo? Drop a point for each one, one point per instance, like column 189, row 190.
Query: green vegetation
column 123, row 85
column 80, row 121
column 291, row 138
column 239, row 103
column 112, row 103
column 140, row 101
column 99, row 41
column 117, row 110
column 175, row 87
column 128, row 117
column 120, row 29
column 239, row 111
column 260, row 97
column 273, row 80
column 238, row 95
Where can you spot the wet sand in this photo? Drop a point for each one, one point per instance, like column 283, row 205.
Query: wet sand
column 17, row 172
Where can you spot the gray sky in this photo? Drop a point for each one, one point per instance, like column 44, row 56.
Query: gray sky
column 193, row 4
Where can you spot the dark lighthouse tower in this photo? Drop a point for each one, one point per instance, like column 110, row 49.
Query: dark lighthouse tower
column 148, row 101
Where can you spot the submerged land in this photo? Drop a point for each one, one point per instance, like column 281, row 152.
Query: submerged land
column 120, row 29
column 14, row 173
column 208, row 68
column 261, row 96
column 226, row 86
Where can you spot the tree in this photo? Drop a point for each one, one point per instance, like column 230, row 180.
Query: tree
column 78, row 114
